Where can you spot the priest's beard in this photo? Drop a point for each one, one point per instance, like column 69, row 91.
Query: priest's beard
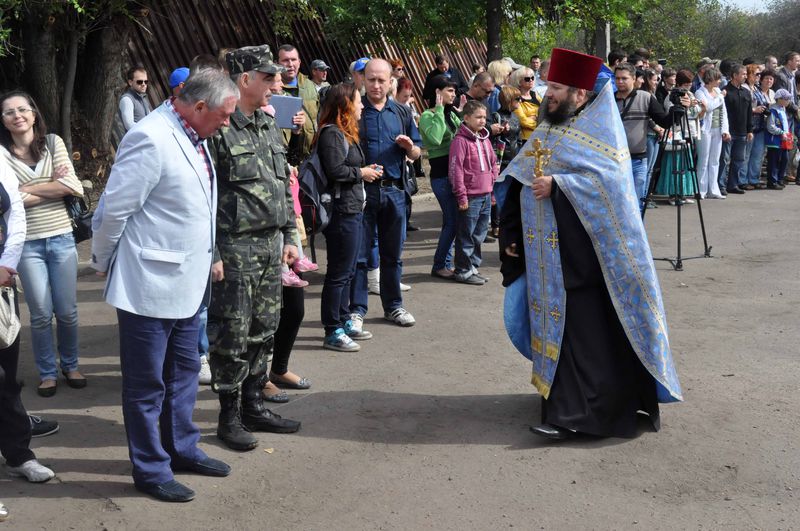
column 565, row 110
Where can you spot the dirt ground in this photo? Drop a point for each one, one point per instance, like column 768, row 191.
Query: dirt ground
column 427, row 428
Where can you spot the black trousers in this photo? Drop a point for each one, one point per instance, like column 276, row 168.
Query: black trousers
column 292, row 314
column 15, row 428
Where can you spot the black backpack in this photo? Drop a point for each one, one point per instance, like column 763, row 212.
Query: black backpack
column 316, row 201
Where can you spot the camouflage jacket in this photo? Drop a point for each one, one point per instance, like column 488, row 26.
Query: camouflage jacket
column 255, row 199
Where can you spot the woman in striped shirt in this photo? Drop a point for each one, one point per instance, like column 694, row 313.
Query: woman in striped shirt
column 49, row 263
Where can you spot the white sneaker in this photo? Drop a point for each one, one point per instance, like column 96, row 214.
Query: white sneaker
column 205, row 371
column 355, row 328
column 374, row 281
column 404, row 287
column 33, row 471
column 3, row 512
column 400, row 317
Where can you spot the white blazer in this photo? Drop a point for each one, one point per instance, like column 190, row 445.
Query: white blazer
column 154, row 225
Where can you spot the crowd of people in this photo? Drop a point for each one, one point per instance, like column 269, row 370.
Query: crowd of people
column 213, row 241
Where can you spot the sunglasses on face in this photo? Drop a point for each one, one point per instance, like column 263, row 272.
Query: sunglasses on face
column 21, row 110
column 399, row 68
column 141, row 82
column 528, row 79
column 518, row 98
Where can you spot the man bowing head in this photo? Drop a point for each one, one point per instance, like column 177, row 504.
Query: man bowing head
column 153, row 239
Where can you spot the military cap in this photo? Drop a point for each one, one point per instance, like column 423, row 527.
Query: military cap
column 258, row 58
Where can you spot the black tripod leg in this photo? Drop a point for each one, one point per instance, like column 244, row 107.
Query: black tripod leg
column 699, row 201
column 680, row 161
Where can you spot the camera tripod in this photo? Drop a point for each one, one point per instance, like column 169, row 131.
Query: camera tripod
column 677, row 144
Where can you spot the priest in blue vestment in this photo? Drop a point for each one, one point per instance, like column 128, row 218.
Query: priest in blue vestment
column 582, row 298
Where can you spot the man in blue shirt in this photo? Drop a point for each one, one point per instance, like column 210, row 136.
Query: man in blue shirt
column 388, row 135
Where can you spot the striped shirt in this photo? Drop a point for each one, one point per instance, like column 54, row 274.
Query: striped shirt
column 50, row 217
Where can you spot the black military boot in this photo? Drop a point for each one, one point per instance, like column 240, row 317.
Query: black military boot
column 230, row 429
column 255, row 416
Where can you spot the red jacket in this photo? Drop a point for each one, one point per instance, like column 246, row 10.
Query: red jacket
column 473, row 164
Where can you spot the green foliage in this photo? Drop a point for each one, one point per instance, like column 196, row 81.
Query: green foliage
column 528, row 26
column 727, row 31
column 65, row 15
column 527, row 37
column 405, row 22
column 671, row 30
column 9, row 11
column 286, row 12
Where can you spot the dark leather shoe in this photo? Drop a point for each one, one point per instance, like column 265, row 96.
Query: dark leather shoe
column 736, row 190
column 75, row 383
column 412, row 228
column 47, row 391
column 206, row 467
column 270, row 422
column 171, row 491
column 548, row 431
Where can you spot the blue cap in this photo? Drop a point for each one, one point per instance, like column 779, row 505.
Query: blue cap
column 178, row 76
column 783, row 94
column 361, row 64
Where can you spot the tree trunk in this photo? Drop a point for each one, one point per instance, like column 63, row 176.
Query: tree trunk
column 69, row 87
column 602, row 39
column 494, row 17
column 102, row 80
column 41, row 74
column 100, row 83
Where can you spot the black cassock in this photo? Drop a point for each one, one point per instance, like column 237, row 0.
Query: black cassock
column 600, row 384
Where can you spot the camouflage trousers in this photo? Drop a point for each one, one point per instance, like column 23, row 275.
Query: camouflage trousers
column 244, row 311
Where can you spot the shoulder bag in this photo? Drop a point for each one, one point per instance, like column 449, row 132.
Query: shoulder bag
column 79, row 214
column 9, row 322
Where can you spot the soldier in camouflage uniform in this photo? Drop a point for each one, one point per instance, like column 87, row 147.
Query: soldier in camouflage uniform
column 252, row 215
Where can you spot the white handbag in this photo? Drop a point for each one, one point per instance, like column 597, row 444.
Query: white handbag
column 9, row 322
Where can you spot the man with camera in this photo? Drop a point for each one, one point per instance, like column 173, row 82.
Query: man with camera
column 636, row 108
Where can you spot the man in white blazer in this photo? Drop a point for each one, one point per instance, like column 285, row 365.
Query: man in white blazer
column 154, row 239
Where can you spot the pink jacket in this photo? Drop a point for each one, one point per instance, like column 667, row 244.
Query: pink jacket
column 294, row 187
column 473, row 164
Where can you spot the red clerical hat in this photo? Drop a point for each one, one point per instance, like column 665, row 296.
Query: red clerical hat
column 573, row 69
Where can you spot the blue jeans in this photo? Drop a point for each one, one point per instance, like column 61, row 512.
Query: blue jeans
column 640, row 180
column 343, row 239
column 386, row 211
column 776, row 165
column 373, row 260
column 202, row 339
column 160, row 370
column 652, row 155
column 48, row 270
column 724, row 163
column 472, row 226
column 443, row 257
column 738, row 167
column 757, row 150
